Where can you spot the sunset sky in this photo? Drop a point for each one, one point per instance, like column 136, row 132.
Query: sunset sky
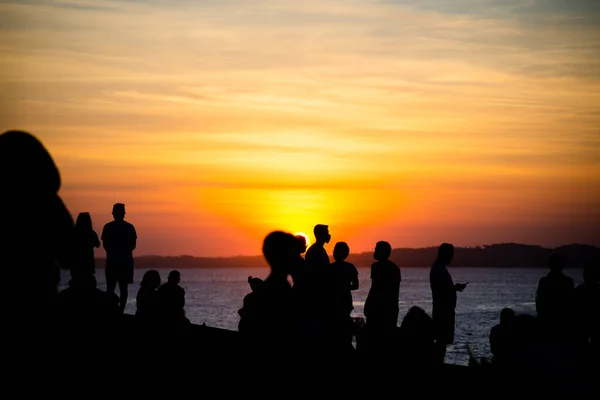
column 416, row 122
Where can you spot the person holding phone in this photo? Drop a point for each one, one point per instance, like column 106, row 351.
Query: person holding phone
column 443, row 293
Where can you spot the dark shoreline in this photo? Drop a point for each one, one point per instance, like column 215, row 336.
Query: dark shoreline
column 509, row 255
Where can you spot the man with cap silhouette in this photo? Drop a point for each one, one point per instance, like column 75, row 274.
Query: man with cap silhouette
column 119, row 240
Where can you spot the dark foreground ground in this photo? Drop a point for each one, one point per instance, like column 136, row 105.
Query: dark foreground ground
column 212, row 362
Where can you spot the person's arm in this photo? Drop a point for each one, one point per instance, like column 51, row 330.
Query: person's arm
column 96, row 242
column 354, row 279
column 133, row 238
column 182, row 300
column 443, row 290
column 539, row 298
column 105, row 239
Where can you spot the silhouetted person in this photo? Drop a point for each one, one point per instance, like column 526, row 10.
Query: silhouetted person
column 276, row 317
column 316, row 255
column 443, row 293
column 345, row 277
column 417, row 344
column 381, row 306
column 302, row 245
column 37, row 233
column 320, row 291
column 298, row 271
column 172, row 297
column 148, row 303
column 526, row 341
column 85, row 308
column 502, row 339
column 248, row 312
column 119, row 240
column 553, row 301
column 86, row 239
column 303, row 294
column 554, row 291
column 587, row 305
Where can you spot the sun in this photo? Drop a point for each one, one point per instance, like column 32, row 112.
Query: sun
column 305, row 237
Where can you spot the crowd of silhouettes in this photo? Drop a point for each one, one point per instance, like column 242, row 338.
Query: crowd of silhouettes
column 315, row 309
column 311, row 313
column 565, row 332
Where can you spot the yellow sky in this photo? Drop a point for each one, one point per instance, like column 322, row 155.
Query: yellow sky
column 472, row 122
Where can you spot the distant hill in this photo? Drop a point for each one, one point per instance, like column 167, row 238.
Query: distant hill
column 505, row 255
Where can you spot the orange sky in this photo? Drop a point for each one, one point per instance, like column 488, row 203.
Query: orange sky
column 411, row 122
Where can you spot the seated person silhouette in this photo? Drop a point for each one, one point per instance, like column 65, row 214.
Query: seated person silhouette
column 247, row 313
column 416, row 340
column 172, row 298
column 148, row 302
column 526, row 344
column 119, row 240
column 502, row 341
column 83, row 306
column 381, row 306
column 86, row 239
column 587, row 305
column 37, row 233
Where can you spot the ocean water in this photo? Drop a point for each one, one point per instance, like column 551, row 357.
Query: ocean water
column 214, row 295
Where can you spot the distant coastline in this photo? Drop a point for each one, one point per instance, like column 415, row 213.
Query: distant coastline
column 503, row 255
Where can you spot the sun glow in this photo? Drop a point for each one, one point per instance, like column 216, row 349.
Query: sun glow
column 291, row 114
column 305, row 237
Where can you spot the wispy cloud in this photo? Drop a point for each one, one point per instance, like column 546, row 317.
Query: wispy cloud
column 402, row 97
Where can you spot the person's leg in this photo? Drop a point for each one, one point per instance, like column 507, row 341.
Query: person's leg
column 440, row 352
column 123, row 294
column 111, row 283
column 443, row 326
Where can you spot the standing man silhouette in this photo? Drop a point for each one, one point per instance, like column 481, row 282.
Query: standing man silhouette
column 316, row 255
column 119, row 240
column 320, row 285
column 443, row 292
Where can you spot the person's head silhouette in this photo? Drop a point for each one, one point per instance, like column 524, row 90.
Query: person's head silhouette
column 301, row 244
column 280, row 249
column 446, row 253
column 341, row 251
column 383, row 251
column 82, row 279
column 26, row 167
column 119, row 211
column 556, row 262
column 321, row 233
column 417, row 324
column 507, row 316
column 151, row 279
column 32, row 209
column 255, row 283
column 84, row 222
column 174, row 277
